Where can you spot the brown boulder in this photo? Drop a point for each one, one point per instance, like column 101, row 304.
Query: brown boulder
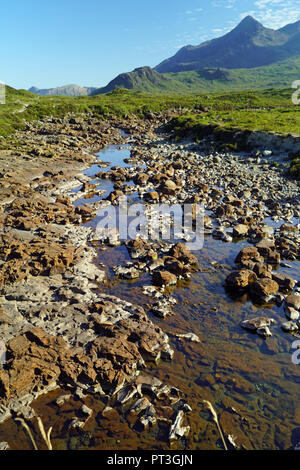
column 293, row 301
column 168, row 187
column 285, row 282
column 241, row 279
column 181, row 252
column 115, row 195
column 152, row 196
column 264, row 288
column 248, row 253
column 175, row 266
column 225, row 210
column 164, row 278
column 141, row 179
column 240, row 230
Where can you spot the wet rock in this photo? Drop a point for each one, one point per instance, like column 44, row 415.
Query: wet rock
column 292, row 306
column 152, row 196
column 136, row 329
column 138, row 248
column 289, row 326
column 77, row 423
column 163, row 308
column 240, row 279
column 62, row 399
column 86, row 411
column 260, row 325
column 264, row 289
column 262, row 270
column 108, row 413
column 207, row 221
column 158, row 263
column 126, row 393
column 189, row 336
column 221, row 234
column 168, row 188
column 164, row 278
column 177, row 430
column 141, row 179
column 175, row 266
column 140, row 405
column 249, row 253
column 291, row 313
column 285, row 282
column 234, row 201
column 293, row 301
column 240, row 230
column 183, row 254
column 264, row 331
column 114, row 196
column 4, row 446
column 147, row 384
column 87, row 187
column 127, row 272
column 216, row 193
column 79, row 393
column 148, row 418
column 225, row 210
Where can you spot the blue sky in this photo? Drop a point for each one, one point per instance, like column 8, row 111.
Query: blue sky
column 50, row 43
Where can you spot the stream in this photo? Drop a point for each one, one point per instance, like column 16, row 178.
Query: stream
column 251, row 382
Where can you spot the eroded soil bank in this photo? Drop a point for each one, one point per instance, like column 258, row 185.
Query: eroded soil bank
column 128, row 339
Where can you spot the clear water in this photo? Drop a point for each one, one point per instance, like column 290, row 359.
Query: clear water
column 231, row 367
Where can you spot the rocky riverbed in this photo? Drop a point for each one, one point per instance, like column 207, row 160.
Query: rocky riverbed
column 127, row 338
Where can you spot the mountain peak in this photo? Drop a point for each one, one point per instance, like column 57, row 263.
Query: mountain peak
column 248, row 45
column 249, row 23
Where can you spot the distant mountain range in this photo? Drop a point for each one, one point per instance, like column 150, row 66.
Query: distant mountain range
column 248, row 45
column 248, row 57
column 67, row 90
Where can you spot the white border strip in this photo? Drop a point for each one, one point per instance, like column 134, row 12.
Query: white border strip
column 2, row 93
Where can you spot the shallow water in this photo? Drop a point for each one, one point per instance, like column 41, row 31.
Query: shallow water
column 231, row 367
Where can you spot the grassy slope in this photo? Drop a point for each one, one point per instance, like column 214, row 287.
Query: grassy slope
column 277, row 75
column 247, row 110
column 10, row 117
column 269, row 110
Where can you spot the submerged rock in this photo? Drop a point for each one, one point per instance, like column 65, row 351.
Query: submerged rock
column 260, row 325
column 190, row 336
column 177, row 429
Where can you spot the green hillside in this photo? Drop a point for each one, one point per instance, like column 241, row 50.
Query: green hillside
column 277, row 75
column 147, row 80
